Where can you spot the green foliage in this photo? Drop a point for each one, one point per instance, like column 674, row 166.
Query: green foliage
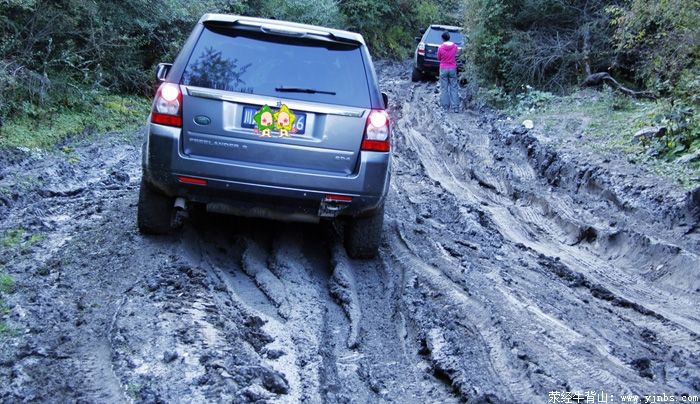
column 12, row 238
column 6, row 287
column 52, row 51
column 657, row 41
column 548, row 44
column 553, row 45
column 133, row 390
column 389, row 27
column 605, row 121
column 6, row 283
column 486, row 25
column 682, row 134
column 496, row 97
column 532, row 99
column 7, row 331
column 18, row 239
column 44, row 127
column 317, row 12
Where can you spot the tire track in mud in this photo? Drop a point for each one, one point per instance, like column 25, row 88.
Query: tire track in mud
column 590, row 321
column 338, row 336
column 520, row 223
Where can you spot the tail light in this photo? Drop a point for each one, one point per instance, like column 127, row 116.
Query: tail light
column 377, row 132
column 421, row 48
column 167, row 107
column 337, row 198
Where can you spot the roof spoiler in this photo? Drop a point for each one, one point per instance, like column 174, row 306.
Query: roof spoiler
column 281, row 28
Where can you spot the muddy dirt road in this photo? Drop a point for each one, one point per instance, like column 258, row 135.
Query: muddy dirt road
column 509, row 272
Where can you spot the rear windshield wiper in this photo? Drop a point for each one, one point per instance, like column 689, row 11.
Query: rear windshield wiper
column 302, row 90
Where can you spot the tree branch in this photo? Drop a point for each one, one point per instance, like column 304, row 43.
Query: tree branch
column 597, row 79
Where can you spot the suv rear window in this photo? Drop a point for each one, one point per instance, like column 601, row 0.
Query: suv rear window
column 262, row 64
column 435, row 36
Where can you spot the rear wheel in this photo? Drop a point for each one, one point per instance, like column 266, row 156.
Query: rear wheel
column 363, row 235
column 155, row 211
column 417, row 75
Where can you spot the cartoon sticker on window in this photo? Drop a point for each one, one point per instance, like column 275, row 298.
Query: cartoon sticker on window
column 267, row 120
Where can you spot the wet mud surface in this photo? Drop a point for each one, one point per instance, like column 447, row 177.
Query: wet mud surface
column 508, row 270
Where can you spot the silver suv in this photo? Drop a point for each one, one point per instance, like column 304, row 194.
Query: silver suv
column 271, row 119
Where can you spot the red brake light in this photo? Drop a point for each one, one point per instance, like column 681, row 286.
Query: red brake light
column 338, row 198
column 377, row 132
column 190, row 180
column 167, row 106
column 421, row 48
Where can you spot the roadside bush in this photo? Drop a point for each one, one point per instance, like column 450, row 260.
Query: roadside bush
column 486, row 26
column 52, row 52
column 49, row 125
column 496, row 97
column 390, row 26
column 656, row 42
column 532, row 99
column 549, row 44
column 682, row 134
column 318, row 12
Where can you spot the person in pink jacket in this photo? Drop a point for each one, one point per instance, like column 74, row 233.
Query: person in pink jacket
column 449, row 89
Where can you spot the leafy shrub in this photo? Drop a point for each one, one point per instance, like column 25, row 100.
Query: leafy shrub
column 657, row 41
column 533, row 99
column 549, row 44
column 496, row 97
column 682, row 135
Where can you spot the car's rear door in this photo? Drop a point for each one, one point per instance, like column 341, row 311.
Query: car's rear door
column 267, row 99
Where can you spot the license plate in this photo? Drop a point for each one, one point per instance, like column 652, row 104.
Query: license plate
column 248, row 120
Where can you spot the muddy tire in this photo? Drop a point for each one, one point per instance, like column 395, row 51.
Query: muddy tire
column 155, row 211
column 416, row 75
column 363, row 235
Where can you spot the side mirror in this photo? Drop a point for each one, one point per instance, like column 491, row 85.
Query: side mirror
column 417, row 39
column 162, row 71
column 386, row 100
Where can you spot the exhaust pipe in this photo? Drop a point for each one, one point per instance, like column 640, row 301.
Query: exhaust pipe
column 180, row 203
column 179, row 213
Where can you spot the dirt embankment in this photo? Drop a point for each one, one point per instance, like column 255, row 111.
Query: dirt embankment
column 508, row 270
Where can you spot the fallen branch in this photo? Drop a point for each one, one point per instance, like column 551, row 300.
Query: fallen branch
column 597, row 79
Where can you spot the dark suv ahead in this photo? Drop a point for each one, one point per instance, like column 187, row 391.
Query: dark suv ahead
column 425, row 61
column 271, row 119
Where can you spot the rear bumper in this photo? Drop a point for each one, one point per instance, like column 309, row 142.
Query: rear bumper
column 248, row 186
column 427, row 65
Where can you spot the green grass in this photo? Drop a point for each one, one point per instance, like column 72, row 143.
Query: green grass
column 6, row 283
column 19, row 239
column 7, row 331
column 6, row 287
column 604, row 122
column 133, row 390
column 12, row 238
column 44, row 128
